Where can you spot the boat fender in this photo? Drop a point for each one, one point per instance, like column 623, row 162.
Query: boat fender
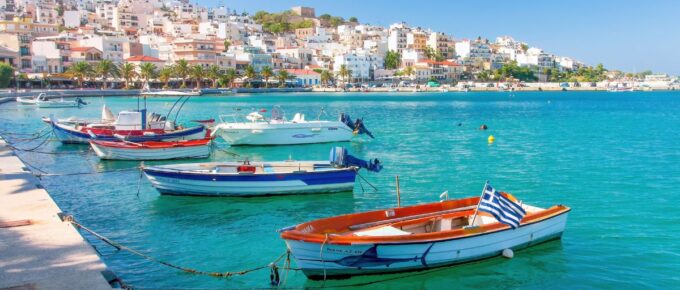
column 507, row 253
column 274, row 275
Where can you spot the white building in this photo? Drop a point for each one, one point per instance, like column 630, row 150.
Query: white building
column 362, row 65
column 72, row 18
column 110, row 46
column 396, row 40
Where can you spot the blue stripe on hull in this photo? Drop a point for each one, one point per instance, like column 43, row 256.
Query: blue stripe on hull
column 310, row 178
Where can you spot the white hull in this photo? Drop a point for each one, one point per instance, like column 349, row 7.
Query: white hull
column 284, row 134
column 314, row 258
column 48, row 103
column 151, row 154
column 172, row 186
column 171, row 93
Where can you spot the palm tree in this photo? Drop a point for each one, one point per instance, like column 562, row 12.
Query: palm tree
column 250, row 73
column 106, row 68
column 227, row 43
column 164, row 75
column 197, row 73
column 344, row 73
column 326, row 77
column 227, row 79
column 127, row 72
column 214, row 72
column 283, row 76
column 266, row 74
column 182, row 70
column 147, row 71
column 80, row 70
column 408, row 71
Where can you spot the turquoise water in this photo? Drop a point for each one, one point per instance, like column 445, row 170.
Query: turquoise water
column 614, row 158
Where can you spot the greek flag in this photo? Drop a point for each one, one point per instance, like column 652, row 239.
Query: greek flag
column 502, row 208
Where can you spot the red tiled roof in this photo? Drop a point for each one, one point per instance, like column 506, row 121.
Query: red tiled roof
column 299, row 72
column 449, row 63
column 143, row 58
column 83, row 48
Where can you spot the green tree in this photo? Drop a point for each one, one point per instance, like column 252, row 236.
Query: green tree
column 80, row 70
column 266, row 74
column 392, row 59
column 251, row 74
column 214, row 73
column 524, row 47
column 127, row 72
column 429, row 53
column 147, row 71
column 227, row 79
column 165, row 74
column 353, row 19
column 326, row 77
column 283, row 76
column 344, row 73
column 6, row 73
column 326, row 17
column 408, row 71
column 198, row 74
column 335, row 21
column 227, row 44
column 105, row 69
column 182, row 70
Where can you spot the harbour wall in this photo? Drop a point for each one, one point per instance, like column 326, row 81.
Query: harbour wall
column 37, row 249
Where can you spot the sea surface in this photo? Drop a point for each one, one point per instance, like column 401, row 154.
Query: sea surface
column 614, row 158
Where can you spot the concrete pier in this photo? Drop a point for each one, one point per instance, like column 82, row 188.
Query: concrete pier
column 37, row 249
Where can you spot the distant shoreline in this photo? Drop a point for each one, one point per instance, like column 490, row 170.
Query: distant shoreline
column 5, row 95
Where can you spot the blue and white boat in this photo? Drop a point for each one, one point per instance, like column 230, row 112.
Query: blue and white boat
column 260, row 178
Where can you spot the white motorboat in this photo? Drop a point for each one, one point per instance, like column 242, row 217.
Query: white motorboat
column 43, row 102
column 277, row 130
column 171, row 93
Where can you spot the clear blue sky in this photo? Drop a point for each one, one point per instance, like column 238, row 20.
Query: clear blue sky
column 626, row 35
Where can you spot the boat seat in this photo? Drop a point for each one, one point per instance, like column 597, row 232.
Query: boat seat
column 381, row 232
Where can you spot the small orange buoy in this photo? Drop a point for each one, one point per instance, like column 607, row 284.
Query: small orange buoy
column 491, row 139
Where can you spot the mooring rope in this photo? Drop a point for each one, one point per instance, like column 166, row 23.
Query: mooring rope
column 119, row 246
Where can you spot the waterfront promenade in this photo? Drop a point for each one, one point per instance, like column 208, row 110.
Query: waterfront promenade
column 37, row 249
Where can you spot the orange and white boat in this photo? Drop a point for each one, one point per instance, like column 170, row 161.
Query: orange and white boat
column 415, row 237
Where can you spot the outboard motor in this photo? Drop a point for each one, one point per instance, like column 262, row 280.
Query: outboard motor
column 356, row 126
column 80, row 102
column 339, row 157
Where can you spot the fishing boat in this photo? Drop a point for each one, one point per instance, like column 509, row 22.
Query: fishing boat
column 133, row 126
column 152, row 150
column 415, row 237
column 277, row 130
column 620, row 87
column 248, row 178
column 41, row 101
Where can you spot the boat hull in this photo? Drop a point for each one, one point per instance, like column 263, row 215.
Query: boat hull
column 113, row 153
column 284, row 134
column 318, row 260
column 209, row 184
column 68, row 135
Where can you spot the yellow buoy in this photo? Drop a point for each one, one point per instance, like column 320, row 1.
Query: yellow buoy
column 491, row 139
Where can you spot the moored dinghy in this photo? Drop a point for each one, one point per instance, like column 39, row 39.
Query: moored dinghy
column 260, row 178
column 420, row 237
column 152, row 150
